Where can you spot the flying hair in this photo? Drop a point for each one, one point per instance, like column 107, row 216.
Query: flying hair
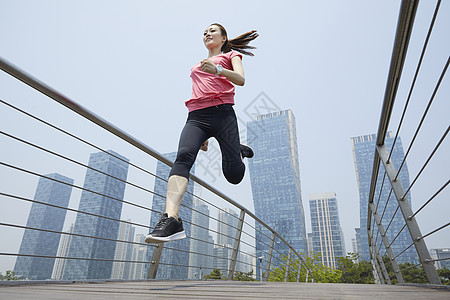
column 240, row 43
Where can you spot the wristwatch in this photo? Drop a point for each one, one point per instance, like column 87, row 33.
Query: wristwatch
column 219, row 70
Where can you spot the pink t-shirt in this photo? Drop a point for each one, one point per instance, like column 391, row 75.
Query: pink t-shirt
column 211, row 90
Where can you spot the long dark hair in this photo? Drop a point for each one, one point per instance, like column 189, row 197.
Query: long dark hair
column 239, row 43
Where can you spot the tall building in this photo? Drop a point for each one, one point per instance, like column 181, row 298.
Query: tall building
column 363, row 153
column 200, row 256
column 327, row 237
column 121, row 270
column 102, row 195
column 63, row 249
column 137, row 270
column 275, row 180
column 226, row 226
column 227, row 221
column 171, row 259
column 41, row 216
column 443, row 257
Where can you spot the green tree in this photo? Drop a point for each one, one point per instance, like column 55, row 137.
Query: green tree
column 353, row 271
column 444, row 274
column 10, row 275
column 239, row 276
column 320, row 272
column 410, row 273
column 215, row 274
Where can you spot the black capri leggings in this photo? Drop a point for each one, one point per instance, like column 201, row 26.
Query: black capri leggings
column 219, row 122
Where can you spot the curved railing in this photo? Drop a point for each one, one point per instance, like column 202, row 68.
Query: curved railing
column 44, row 144
column 388, row 191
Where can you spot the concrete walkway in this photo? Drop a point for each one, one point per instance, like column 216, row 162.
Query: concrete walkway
column 215, row 290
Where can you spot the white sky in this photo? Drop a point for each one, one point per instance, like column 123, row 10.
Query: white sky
column 129, row 62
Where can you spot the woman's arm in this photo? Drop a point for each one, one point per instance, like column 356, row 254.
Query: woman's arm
column 236, row 75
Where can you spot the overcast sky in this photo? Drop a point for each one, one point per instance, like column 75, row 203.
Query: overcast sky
column 129, row 62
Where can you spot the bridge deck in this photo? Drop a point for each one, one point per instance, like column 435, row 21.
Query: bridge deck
column 215, row 290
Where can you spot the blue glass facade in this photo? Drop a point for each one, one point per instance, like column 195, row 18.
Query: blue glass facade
column 44, row 217
column 171, row 257
column 101, row 204
column 363, row 154
column 275, row 180
column 327, row 236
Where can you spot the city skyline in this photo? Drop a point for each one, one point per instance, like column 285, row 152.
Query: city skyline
column 334, row 95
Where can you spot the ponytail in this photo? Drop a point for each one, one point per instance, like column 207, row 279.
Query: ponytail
column 239, row 43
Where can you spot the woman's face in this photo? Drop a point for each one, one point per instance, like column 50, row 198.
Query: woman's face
column 212, row 37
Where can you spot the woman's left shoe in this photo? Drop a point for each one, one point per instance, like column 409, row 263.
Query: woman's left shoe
column 246, row 151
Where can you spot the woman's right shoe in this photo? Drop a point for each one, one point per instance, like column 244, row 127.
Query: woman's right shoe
column 246, row 151
column 167, row 229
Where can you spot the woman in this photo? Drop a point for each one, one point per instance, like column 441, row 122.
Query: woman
column 211, row 114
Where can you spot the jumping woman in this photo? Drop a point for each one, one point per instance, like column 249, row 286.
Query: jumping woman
column 211, row 114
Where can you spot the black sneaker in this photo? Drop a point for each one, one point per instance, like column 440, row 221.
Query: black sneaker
column 167, row 229
column 246, row 151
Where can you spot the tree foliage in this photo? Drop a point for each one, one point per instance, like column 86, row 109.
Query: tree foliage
column 215, row 274
column 444, row 274
column 319, row 272
column 10, row 276
column 240, row 276
column 353, row 271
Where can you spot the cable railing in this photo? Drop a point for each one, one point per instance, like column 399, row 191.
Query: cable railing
column 397, row 227
column 31, row 157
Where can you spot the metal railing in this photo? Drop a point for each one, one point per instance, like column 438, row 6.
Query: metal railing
column 386, row 172
column 31, row 157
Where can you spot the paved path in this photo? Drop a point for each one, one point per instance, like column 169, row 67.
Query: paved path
column 216, row 290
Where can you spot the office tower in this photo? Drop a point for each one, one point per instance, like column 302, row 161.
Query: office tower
column 63, row 249
column 200, row 256
column 310, row 244
column 442, row 256
column 104, row 188
column 226, row 226
column 327, row 237
column 275, row 180
column 363, row 153
column 121, row 270
column 354, row 246
column 221, row 258
column 137, row 270
column 41, row 216
column 171, row 259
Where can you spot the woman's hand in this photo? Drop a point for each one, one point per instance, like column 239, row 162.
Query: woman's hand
column 208, row 66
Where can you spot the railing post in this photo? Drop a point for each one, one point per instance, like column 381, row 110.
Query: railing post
column 269, row 259
column 385, row 240
column 300, row 264
column 379, row 258
column 287, row 265
column 236, row 245
column 154, row 263
column 411, row 223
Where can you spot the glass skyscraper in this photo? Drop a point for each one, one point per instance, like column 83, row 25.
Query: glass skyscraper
column 363, row 154
column 201, row 251
column 35, row 242
column 106, row 201
column 327, row 236
column 275, row 180
column 171, row 257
